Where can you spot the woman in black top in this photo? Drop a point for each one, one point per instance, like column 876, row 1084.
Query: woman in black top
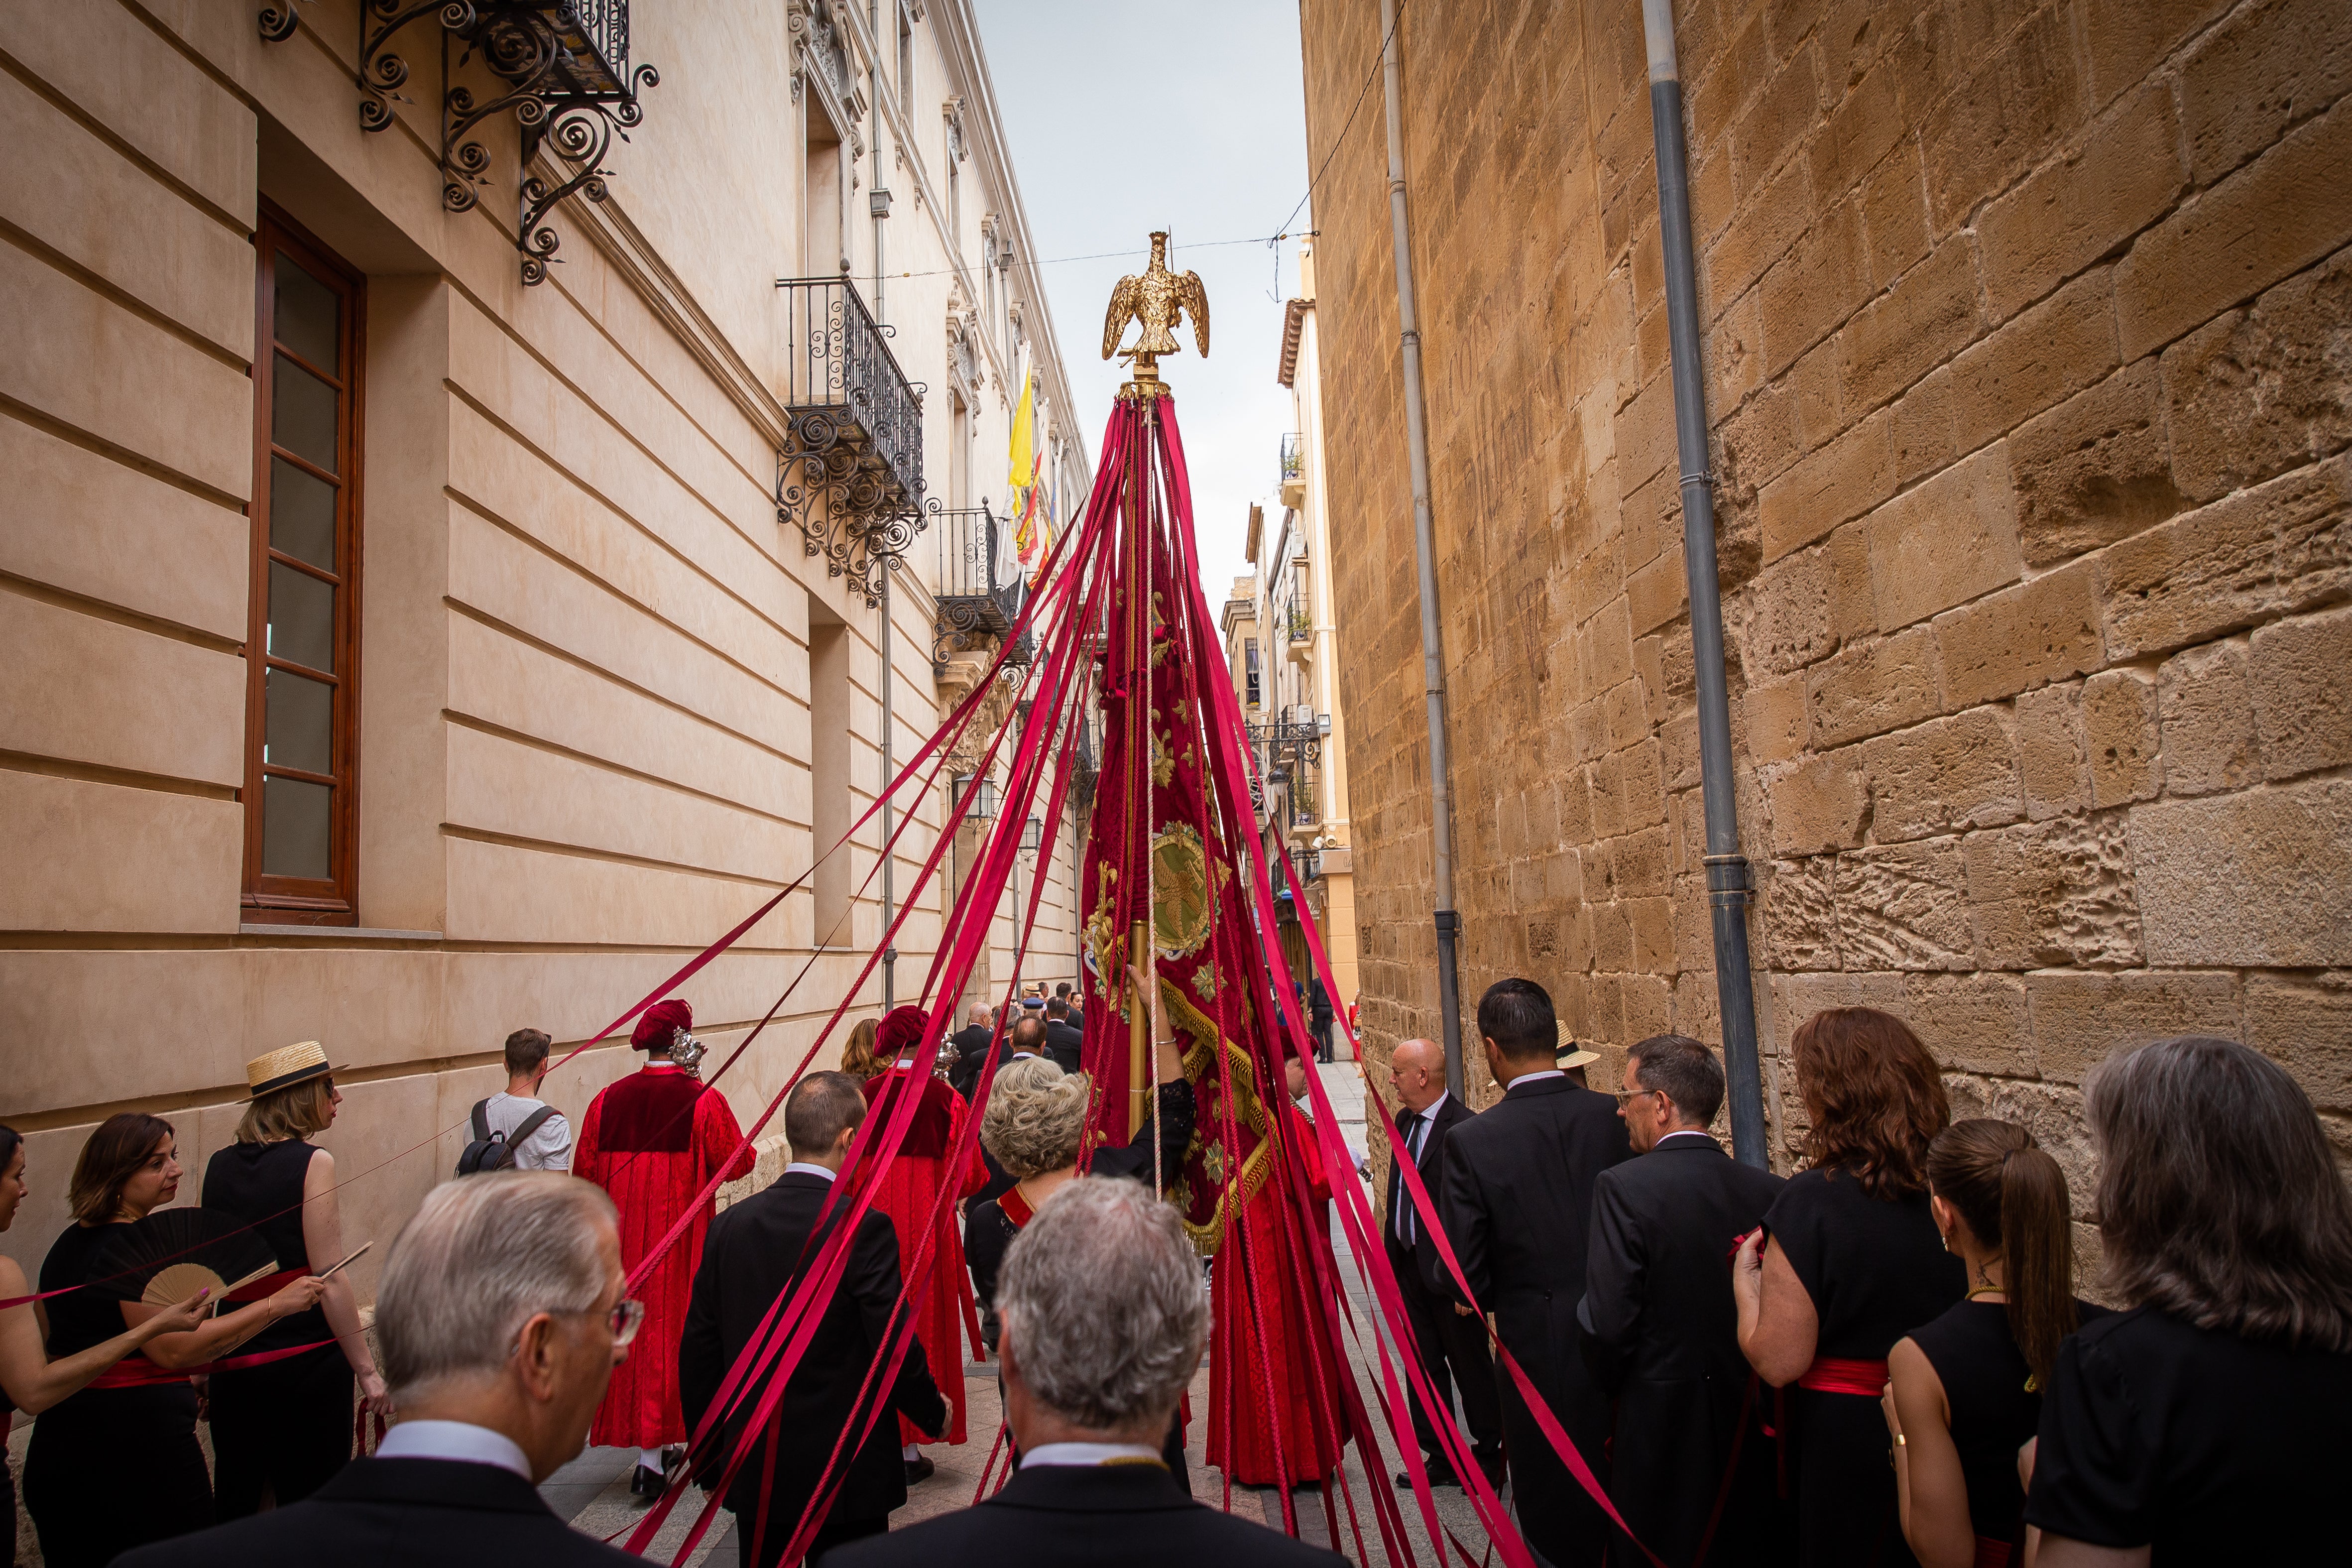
column 1966, row 1390
column 1846, row 1263
column 283, row 1430
column 112, row 1468
column 2206, row 1424
column 29, row 1379
column 1035, row 1116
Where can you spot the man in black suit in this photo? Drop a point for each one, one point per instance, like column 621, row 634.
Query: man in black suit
column 1517, row 1199
column 1104, row 1324
column 972, row 1044
column 500, row 1318
column 756, row 1253
column 1663, row 1331
column 1065, row 1041
column 1452, row 1347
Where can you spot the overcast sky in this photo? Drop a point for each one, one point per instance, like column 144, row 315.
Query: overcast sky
column 1124, row 118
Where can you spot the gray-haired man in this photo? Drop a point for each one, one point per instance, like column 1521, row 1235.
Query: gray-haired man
column 1104, row 1322
column 501, row 1319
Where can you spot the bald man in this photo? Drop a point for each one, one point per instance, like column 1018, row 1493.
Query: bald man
column 1452, row 1345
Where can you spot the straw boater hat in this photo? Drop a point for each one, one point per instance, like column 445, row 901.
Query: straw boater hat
column 285, row 1067
column 1570, row 1054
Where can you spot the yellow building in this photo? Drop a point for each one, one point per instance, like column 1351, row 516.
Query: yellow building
column 416, row 633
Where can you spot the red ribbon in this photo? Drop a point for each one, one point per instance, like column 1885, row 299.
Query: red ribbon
column 138, row 1371
column 1837, row 1374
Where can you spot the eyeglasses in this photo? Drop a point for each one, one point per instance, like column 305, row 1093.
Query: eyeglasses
column 1627, row 1097
column 626, row 1318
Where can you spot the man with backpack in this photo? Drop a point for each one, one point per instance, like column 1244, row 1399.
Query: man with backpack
column 523, row 1133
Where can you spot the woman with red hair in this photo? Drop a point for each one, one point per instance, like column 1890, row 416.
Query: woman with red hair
column 1847, row 1261
column 910, row 1192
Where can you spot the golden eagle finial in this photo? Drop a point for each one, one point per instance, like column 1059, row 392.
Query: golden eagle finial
column 1157, row 301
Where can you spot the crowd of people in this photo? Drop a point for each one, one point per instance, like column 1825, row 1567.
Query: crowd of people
column 1881, row 1359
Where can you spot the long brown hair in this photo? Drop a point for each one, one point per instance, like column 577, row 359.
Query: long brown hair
column 112, row 1156
column 2011, row 1196
column 1873, row 1093
column 858, row 1058
column 2219, row 1200
column 295, row 1111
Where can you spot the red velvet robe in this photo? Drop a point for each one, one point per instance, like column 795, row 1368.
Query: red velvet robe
column 908, row 1192
column 652, row 1140
column 1270, row 1364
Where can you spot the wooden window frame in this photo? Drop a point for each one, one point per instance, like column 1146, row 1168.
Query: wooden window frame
column 334, row 900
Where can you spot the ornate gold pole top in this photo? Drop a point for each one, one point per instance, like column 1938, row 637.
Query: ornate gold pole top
column 1157, row 301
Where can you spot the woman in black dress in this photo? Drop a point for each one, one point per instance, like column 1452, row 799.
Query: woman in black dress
column 1035, row 1117
column 1965, row 1393
column 29, row 1381
column 2206, row 1424
column 284, row 1429
column 118, row 1466
column 1847, row 1262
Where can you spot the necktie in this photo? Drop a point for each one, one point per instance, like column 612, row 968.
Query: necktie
column 1400, row 1203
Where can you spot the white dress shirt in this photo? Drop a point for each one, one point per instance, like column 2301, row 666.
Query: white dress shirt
column 1088, row 1453
column 459, row 1440
column 1535, row 1078
column 804, row 1168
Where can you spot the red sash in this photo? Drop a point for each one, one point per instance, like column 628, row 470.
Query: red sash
column 138, row 1371
column 1991, row 1554
column 1835, row 1374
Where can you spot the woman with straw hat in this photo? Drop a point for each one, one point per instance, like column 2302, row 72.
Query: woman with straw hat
column 284, row 1429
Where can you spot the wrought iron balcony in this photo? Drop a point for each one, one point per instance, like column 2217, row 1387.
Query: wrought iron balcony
column 1294, row 458
column 978, row 598
column 851, row 478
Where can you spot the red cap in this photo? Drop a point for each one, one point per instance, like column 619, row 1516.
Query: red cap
column 653, row 1028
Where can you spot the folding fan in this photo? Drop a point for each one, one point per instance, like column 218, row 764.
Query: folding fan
column 174, row 1252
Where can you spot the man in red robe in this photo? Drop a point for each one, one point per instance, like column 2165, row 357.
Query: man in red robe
column 653, row 1140
column 910, row 1195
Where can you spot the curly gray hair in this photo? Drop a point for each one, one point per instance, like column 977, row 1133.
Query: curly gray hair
column 1103, row 1309
column 1035, row 1116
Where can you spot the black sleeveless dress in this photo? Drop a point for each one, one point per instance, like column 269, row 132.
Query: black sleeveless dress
column 1993, row 1413
column 109, row 1468
column 1876, row 1270
column 284, row 1428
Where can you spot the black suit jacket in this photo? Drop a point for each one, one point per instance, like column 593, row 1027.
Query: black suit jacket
column 755, row 1252
column 1663, row 1336
column 972, row 1049
column 1451, row 1113
column 391, row 1513
column 1064, row 1042
column 1054, row 1515
column 1518, row 1204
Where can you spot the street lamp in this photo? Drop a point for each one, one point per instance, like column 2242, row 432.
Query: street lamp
column 1032, row 834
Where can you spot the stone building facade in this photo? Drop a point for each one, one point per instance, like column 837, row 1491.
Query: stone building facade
column 566, row 691
column 2026, row 332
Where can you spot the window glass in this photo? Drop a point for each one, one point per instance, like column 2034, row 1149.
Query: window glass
column 302, row 514
column 297, row 829
column 302, row 618
column 303, row 414
column 301, row 725
column 309, row 317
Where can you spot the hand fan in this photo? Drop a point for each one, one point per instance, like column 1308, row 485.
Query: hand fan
column 174, row 1252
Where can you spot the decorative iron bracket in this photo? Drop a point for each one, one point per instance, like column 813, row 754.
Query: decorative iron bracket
column 864, row 524
column 565, row 67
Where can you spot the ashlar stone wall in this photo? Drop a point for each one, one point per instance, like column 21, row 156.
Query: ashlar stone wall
column 2028, row 336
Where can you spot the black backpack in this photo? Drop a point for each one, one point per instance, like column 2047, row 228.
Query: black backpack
column 495, row 1150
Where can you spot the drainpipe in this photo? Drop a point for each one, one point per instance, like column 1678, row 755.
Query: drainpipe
column 1433, row 645
column 1727, row 869
column 878, row 204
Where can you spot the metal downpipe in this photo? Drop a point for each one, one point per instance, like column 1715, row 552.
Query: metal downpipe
column 1727, row 890
column 1424, row 548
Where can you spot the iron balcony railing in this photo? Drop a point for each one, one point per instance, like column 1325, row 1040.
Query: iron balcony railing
column 978, row 596
column 843, row 387
column 1294, row 458
column 601, row 28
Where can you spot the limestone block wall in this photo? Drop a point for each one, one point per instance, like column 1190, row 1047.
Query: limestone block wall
column 2026, row 334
